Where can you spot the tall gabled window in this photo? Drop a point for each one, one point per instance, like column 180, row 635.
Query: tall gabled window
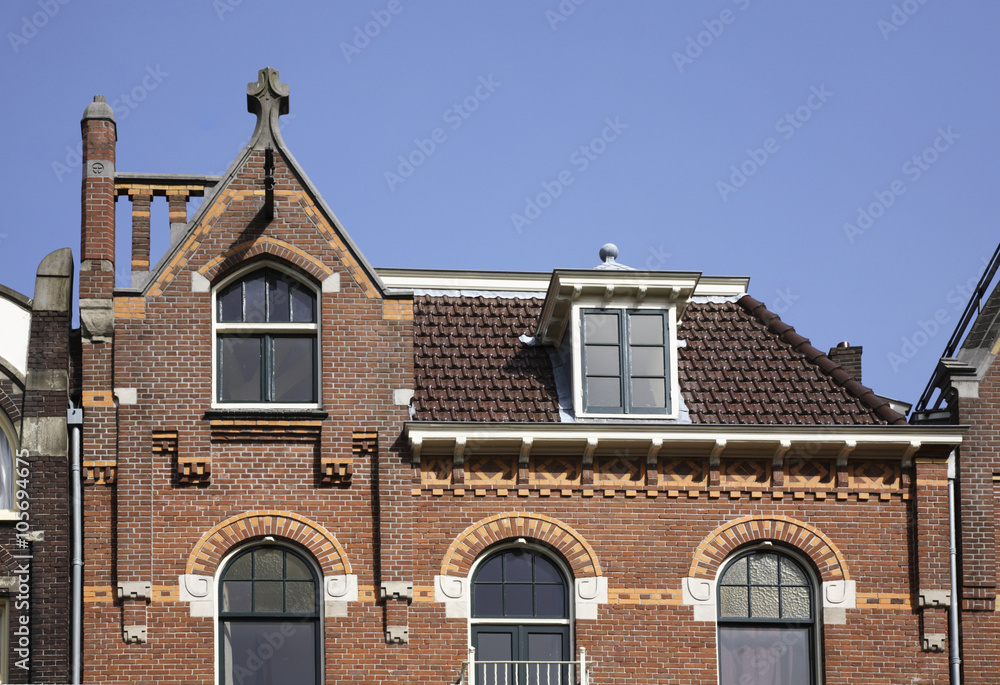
column 266, row 340
column 269, row 623
column 626, row 362
column 767, row 624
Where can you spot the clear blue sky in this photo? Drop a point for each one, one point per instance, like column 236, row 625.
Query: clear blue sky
column 824, row 105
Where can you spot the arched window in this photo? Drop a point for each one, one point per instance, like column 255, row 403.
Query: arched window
column 520, row 613
column 269, row 619
column 8, row 450
column 266, row 329
column 767, row 621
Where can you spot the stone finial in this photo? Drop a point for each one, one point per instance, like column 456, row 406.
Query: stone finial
column 268, row 99
column 99, row 109
column 609, row 253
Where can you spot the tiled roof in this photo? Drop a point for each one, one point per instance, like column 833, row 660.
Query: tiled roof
column 744, row 365
column 471, row 365
column 741, row 365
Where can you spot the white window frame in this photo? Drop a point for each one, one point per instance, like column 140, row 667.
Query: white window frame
column 217, row 608
column 218, row 328
column 576, row 333
column 7, row 428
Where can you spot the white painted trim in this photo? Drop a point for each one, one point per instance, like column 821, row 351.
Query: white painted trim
column 218, row 327
column 466, row 280
column 14, row 334
column 576, row 314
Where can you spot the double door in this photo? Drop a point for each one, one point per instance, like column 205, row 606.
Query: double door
column 519, row 654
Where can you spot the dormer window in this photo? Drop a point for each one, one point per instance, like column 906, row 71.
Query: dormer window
column 266, row 340
column 626, row 361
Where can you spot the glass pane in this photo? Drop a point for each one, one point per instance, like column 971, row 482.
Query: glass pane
column 492, row 570
column 240, row 369
column 269, row 653
column 487, row 600
column 764, row 656
column 517, row 600
column 649, row 393
column 764, row 569
column 267, row 596
column 517, row 566
column 495, row 647
column 546, row 571
column 294, row 369
column 240, row 569
column 491, row 648
column 303, row 305
column 545, row 647
column 231, row 304
column 295, row 568
column 603, row 360
column 795, row 602
column 254, row 296
column 764, row 602
column 647, row 361
column 791, row 573
column 300, row 597
column 604, row 392
column 236, row 596
column 736, row 574
column 550, row 601
column 600, row 328
column 645, row 329
column 277, row 299
column 267, row 564
column 733, row 602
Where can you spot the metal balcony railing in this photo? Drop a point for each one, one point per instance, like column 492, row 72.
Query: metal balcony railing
column 525, row 672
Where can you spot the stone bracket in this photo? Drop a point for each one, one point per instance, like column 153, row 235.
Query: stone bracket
column 397, row 635
column 8, row 583
column 134, row 634
column 934, row 598
column 934, row 642
column 396, row 589
column 135, row 590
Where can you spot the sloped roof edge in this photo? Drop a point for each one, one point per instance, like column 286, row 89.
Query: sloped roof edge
column 830, row 368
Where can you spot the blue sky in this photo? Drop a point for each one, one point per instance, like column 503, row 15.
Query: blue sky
column 732, row 137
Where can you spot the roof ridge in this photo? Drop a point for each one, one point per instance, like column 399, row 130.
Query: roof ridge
column 830, row 368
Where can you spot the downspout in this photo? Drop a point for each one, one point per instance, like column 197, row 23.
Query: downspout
column 74, row 418
column 953, row 645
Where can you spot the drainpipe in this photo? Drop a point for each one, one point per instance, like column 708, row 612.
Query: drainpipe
column 953, row 645
column 74, row 418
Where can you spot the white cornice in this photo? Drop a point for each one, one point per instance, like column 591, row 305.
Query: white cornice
column 896, row 441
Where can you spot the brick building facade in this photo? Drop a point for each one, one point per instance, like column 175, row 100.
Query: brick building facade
column 299, row 468
column 964, row 390
column 35, row 380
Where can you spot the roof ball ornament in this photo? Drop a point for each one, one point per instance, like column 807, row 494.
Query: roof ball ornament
column 609, row 253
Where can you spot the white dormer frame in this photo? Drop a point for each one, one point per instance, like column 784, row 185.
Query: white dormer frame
column 571, row 293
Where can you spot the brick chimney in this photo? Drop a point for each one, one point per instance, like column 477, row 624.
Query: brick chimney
column 97, row 249
column 848, row 357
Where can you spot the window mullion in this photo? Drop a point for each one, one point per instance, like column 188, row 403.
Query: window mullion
column 624, row 339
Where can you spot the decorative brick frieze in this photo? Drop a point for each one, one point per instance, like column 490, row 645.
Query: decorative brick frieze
column 260, row 429
column 99, row 471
